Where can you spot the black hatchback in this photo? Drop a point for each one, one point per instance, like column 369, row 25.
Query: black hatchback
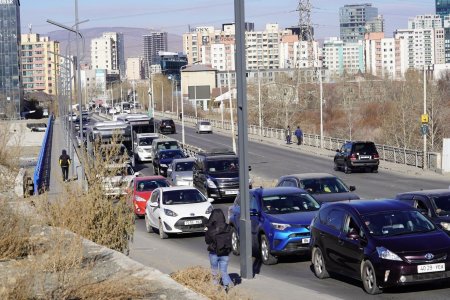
column 357, row 155
column 167, row 126
column 383, row 243
column 433, row 203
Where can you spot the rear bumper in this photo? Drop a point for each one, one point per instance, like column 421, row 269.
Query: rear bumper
column 364, row 163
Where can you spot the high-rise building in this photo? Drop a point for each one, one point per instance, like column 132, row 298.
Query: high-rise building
column 341, row 57
column 107, row 52
column 353, row 20
column 443, row 8
column 39, row 63
column 10, row 78
column 153, row 44
column 135, row 68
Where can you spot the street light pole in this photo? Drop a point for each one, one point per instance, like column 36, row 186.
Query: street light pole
column 424, row 112
column 259, row 104
column 321, row 107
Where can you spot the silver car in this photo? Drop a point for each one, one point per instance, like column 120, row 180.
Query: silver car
column 180, row 172
column 204, row 126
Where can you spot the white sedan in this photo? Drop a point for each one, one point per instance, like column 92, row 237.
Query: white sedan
column 176, row 210
column 204, row 126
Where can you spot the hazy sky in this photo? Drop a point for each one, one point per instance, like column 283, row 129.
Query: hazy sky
column 174, row 16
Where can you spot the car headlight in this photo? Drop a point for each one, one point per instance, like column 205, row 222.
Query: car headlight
column 279, row 226
column 170, row 213
column 445, row 226
column 210, row 183
column 140, row 150
column 163, row 165
column 209, row 210
column 384, row 253
column 139, row 199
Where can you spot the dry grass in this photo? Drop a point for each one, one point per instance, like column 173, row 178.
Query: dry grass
column 14, row 233
column 10, row 152
column 262, row 182
column 199, row 279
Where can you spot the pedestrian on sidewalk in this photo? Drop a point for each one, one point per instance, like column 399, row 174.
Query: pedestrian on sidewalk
column 218, row 239
column 299, row 134
column 64, row 162
column 181, row 116
column 288, row 134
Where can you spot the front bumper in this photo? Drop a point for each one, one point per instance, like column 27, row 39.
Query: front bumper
column 144, row 156
column 178, row 225
column 183, row 183
column 222, row 193
column 402, row 273
column 290, row 241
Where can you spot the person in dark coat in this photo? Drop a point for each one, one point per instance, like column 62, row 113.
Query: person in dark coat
column 64, row 162
column 215, row 227
column 299, row 134
column 288, row 134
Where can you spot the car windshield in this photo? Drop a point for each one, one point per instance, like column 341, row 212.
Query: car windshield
column 442, row 205
column 150, row 185
column 172, row 154
column 218, row 166
column 397, row 223
column 365, row 148
column 324, row 185
column 184, row 166
column 146, row 141
column 168, row 145
column 182, row 197
column 290, row 203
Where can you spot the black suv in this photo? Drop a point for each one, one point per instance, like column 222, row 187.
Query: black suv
column 216, row 174
column 357, row 155
column 167, row 126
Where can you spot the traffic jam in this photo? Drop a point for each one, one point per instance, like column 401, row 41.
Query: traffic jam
column 385, row 243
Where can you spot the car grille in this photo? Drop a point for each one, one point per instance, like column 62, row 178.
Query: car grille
column 190, row 228
column 295, row 246
column 228, row 184
column 300, row 234
column 420, row 259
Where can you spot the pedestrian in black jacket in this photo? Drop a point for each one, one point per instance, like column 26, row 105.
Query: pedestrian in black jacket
column 218, row 239
column 64, row 162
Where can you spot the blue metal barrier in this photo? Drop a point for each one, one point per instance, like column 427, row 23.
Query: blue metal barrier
column 38, row 171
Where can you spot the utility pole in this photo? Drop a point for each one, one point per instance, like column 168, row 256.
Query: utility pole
column 424, row 133
column 241, row 87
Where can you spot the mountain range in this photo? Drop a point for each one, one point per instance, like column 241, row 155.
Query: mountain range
column 132, row 40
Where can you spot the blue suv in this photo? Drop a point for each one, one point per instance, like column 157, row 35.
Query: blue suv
column 280, row 220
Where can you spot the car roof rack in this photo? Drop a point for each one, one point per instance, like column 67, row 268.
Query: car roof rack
column 217, row 151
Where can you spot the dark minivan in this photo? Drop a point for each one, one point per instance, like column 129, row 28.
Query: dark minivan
column 167, row 126
column 357, row 155
column 383, row 243
column 433, row 203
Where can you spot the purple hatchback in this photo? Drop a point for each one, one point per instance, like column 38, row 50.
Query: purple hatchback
column 383, row 243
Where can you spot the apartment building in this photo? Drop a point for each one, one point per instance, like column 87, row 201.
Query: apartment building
column 383, row 56
column 107, row 52
column 298, row 54
column 39, row 63
column 343, row 58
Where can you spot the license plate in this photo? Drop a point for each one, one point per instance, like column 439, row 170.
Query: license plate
column 306, row 241
column 233, row 192
column 364, row 156
column 193, row 222
column 167, row 126
column 431, row 268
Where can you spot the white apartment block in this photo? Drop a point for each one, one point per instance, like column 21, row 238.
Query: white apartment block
column 135, row 68
column 425, row 22
column 383, row 56
column 107, row 52
column 298, row 54
column 341, row 58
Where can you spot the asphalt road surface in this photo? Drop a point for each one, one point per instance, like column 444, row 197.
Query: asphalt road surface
column 271, row 162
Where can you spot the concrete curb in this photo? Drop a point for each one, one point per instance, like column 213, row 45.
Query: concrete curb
column 19, row 186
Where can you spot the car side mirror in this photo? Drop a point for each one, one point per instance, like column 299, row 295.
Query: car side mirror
column 353, row 235
column 254, row 212
column 210, row 200
column 352, row 188
column 154, row 204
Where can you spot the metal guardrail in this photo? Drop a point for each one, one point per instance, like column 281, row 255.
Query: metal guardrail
column 41, row 171
column 387, row 153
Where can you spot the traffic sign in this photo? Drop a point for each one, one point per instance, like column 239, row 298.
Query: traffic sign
column 425, row 118
column 424, row 129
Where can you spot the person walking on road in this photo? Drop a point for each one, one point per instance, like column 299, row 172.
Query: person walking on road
column 299, row 134
column 218, row 239
column 64, row 162
column 288, row 134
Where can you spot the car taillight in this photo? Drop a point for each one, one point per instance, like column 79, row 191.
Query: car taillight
column 353, row 156
column 376, row 156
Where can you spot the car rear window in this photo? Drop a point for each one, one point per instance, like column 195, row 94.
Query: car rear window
column 365, row 148
column 205, row 123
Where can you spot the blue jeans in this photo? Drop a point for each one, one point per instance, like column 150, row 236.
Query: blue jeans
column 219, row 264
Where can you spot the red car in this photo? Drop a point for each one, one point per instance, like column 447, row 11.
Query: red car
column 141, row 190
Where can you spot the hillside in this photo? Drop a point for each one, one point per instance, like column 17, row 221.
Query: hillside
column 132, row 37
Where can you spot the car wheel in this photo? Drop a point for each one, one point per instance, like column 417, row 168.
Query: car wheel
column 235, row 241
column 162, row 234
column 318, row 262
column 347, row 169
column 264, row 247
column 369, row 278
column 148, row 228
column 336, row 166
column 375, row 170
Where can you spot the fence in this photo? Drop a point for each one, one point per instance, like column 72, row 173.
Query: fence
column 42, row 170
column 386, row 152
